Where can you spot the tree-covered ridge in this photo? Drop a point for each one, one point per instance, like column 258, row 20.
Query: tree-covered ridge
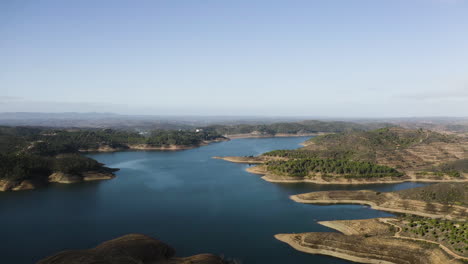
column 36, row 153
column 19, row 167
column 13, row 139
column 347, row 168
column 309, row 126
column 63, row 141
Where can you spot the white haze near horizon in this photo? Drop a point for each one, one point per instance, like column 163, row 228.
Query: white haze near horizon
column 360, row 58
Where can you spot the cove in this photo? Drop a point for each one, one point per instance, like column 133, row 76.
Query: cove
column 185, row 198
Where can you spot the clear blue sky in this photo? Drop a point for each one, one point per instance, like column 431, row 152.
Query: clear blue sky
column 337, row 58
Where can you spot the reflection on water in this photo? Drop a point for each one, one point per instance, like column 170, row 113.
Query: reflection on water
column 189, row 200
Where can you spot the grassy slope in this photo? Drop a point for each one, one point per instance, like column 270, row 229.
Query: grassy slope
column 444, row 193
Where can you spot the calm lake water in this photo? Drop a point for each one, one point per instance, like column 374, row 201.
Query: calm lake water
column 187, row 199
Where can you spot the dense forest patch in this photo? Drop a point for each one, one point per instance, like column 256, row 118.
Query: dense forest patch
column 35, row 153
column 346, row 168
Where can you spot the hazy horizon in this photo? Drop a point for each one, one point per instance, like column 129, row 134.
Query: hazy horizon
column 97, row 115
column 329, row 59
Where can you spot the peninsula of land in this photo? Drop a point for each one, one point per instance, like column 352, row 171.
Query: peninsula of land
column 433, row 230
column 441, row 200
column 387, row 155
column 387, row 240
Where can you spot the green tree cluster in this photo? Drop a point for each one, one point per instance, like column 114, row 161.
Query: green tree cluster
column 347, row 168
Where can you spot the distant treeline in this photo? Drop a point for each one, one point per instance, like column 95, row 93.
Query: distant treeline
column 346, row 168
column 383, row 138
column 310, row 126
column 67, row 141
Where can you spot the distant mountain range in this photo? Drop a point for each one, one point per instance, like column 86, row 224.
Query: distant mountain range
column 112, row 120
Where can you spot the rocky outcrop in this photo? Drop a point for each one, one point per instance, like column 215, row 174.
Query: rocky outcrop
column 6, row 185
column 25, row 185
column 97, row 176
column 60, row 177
column 57, row 177
column 20, row 185
column 129, row 249
column 245, row 160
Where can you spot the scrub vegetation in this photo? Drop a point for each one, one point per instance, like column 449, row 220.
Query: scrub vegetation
column 390, row 150
column 451, row 234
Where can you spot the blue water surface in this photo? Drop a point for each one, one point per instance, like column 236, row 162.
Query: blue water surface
column 187, row 199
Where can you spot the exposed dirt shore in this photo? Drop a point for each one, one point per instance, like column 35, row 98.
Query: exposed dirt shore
column 259, row 135
column 150, row 148
column 369, row 241
column 270, row 177
column 56, row 177
column 245, row 160
column 389, row 202
column 342, row 180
